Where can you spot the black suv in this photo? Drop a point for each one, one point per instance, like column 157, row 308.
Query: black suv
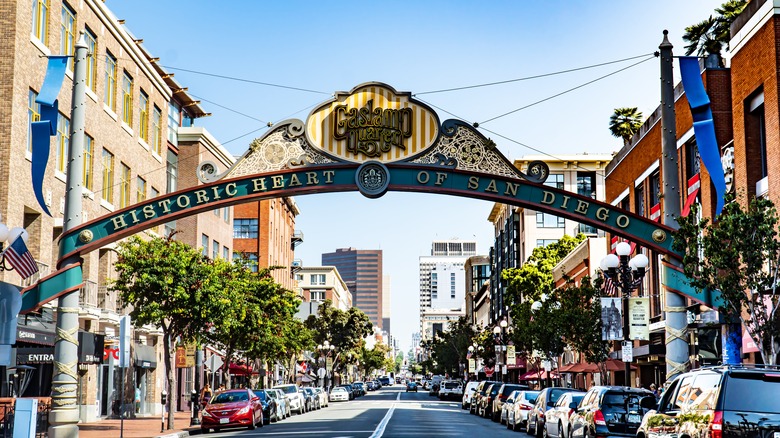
column 478, row 394
column 610, row 411
column 722, row 402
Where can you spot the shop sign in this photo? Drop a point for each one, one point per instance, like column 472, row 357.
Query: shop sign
column 35, row 337
column 34, row 355
column 472, row 366
column 181, row 357
column 189, row 351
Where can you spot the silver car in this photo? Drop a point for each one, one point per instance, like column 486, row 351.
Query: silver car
column 283, row 407
column 518, row 417
column 323, row 396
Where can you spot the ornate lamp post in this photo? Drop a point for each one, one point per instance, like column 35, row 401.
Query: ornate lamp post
column 499, row 333
column 325, row 349
column 627, row 275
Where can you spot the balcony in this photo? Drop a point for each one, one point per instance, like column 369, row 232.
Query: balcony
column 297, row 239
column 589, row 230
column 108, row 301
column 296, row 266
column 88, row 297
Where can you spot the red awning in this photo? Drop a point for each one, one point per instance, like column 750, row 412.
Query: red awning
column 617, row 365
column 241, row 370
column 580, row 368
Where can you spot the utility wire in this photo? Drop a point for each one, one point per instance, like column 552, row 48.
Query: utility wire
column 226, row 108
column 250, row 81
column 543, row 75
column 566, row 91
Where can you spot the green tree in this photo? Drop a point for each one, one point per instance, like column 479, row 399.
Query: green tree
column 739, row 255
column 169, row 285
column 625, row 122
column 345, row 330
column 709, row 36
column 373, row 359
column 450, row 348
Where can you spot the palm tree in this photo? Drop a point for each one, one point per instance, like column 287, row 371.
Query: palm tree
column 709, row 36
column 625, row 122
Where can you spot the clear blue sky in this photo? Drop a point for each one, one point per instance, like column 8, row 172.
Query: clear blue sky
column 415, row 46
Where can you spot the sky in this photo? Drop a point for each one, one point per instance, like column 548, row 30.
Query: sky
column 285, row 57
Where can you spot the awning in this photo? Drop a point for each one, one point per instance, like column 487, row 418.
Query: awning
column 91, row 348
column 617, row 365
column 144, row 356
column 35, row 333
column 579, row 368
column 241, row 370
column 36, row 355
column 536, row 375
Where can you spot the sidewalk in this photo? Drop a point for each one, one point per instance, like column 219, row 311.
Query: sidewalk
column 147, row 427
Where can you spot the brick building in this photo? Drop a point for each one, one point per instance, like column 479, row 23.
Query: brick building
column 140, row 143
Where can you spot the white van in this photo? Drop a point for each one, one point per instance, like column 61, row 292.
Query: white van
column 468, row 393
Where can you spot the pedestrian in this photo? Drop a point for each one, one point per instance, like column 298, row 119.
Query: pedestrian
column 205, row 394
column 654, row 390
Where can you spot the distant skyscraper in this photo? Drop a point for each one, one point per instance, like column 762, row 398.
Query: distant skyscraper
column 386, row 303
column 362, row 271
column 442, row 278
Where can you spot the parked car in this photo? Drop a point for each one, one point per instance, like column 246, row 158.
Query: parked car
column 736, row 401
column 411, row 386
column 370, row 386
column 294, row 399
column 281, row 402
column 312, row 399
column 544, row 402
column 378, row 384
column 360, row 387
column 501, row 397
column 609, row 410
column 468, row 393
column 507, row 406
column 478, row 394
column 486, row 401
column 451, row 389
column 339, row 393
column 271, row 410
column 556, row 424
column 385, row 380
column 323, row 395
column 349, row 389
column 434, row 389
column 232, row 408
column 517, row 417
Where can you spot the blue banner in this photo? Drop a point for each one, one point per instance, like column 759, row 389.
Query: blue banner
column 42, row 130
column 703, row 126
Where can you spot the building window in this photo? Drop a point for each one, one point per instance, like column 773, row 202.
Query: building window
column 204, row 244
column 33, row 115
column 546, row 220
column 143, row 115
column 317, row 295
column 755, row 134
column 154, row 193
column 434, row 286
column 225, row 253
column 554, row 180
column 216, row 212
column 127, row 99
column 545, row 242
column 110, row 98
column 140, row 190
column 692, row 160
column 63, row 142
column 214, row 250
column 245, row 228
column 639, row 197
column 89, row 145
column 172, row 170
column 317, row 279
column 227, row 214
column 91, row 59
column 157, row 131
column 586, row 184
column 40, row 20
column 174, row 118
column 68, row 33
column 107, row 191
column 655, row 189
column 452, row 285
column 124, row 185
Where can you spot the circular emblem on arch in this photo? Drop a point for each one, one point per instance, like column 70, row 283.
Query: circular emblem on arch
column 372, row 179
column 86, row 236
column 659, row 235
column 537, row 171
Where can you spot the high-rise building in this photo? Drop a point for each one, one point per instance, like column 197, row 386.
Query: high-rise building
column 386, row 303
column 361, row 269
column 442, row 278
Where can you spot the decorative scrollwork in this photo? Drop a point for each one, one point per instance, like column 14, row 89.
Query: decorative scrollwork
column 537, row 171
column 295, row 128
column 207, row 172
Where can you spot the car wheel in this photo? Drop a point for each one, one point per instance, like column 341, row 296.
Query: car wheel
column 252, row 425
column 540, row 431
column 545, row 433
column 528, row 429
column 205, row 430
column 216, row 430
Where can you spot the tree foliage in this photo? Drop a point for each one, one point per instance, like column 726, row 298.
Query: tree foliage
column 625, row 122
column 345, row 330
column 709, row 36
column 739, row 255
column 449, row 349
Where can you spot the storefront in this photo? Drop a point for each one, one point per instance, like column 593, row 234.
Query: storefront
column 30, row 373
column 91, row 353
column 145, row 363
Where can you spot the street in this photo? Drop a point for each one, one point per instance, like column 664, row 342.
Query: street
column 389, row 412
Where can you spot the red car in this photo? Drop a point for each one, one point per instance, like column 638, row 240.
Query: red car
column 232, row 408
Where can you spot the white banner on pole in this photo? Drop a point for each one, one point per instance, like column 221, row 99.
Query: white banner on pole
column 639, row 318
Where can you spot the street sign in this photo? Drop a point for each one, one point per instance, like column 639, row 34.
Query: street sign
column 214, row 362
column 472, row 366
column 124, row 341
column 628, row 351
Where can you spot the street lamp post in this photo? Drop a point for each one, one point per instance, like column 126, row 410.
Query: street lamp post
column 627, row 275
column 325, row 349
column 499, row 332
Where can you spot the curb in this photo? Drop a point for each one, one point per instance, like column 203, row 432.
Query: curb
column 179, row 434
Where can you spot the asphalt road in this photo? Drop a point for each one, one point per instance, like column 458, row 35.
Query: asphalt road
column 390, row 412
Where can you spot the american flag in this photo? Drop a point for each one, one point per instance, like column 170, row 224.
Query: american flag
column 20, row 258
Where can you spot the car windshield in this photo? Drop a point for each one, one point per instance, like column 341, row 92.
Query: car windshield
column 288, row 389
column 272, row 394
column 753, row 392
column 338, row 389
column 262, row 395
column 621, row 402
column 230, row 397
column 555, row 395
column 451, row 385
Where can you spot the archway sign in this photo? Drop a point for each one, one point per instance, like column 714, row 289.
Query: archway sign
column 372, row 139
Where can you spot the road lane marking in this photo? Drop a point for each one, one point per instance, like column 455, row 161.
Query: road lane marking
column 380, row 429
